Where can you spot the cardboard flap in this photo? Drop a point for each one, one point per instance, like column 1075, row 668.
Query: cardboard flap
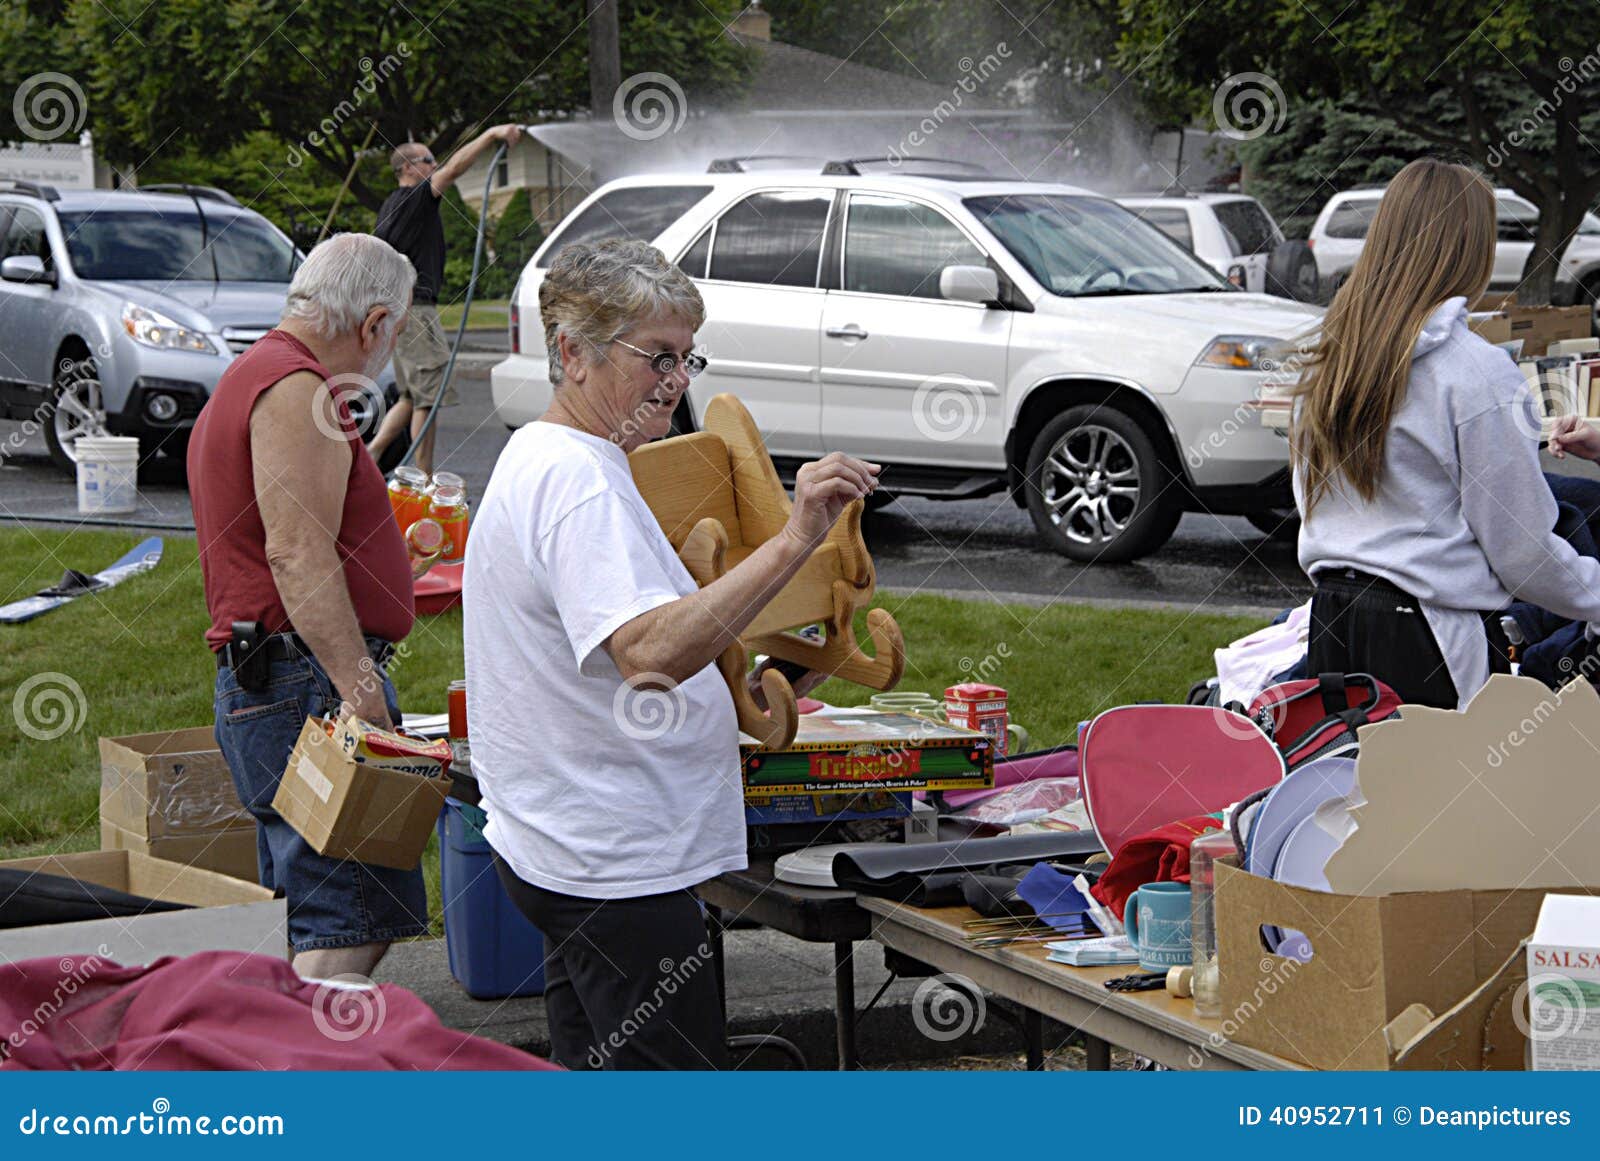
column 1494, row 797
column 1482, row 1031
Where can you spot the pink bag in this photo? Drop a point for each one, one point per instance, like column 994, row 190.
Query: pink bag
column 1145, row 766
column 1057, row 762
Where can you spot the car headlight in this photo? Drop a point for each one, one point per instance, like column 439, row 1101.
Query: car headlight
column 154, row 329
column 1240, row 353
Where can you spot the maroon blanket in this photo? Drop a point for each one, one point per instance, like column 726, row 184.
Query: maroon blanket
column 221, row 1010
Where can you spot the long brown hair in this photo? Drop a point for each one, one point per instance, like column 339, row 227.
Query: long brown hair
column 1433, row 238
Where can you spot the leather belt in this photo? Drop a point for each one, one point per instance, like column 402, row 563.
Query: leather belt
column 290, row 646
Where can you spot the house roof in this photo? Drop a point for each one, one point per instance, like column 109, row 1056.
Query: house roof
column 787, row 78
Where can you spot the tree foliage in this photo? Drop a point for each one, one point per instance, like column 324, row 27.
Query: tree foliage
column 1511, row 88
column 323, row 77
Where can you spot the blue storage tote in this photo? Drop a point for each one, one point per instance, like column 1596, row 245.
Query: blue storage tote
column 494, row 951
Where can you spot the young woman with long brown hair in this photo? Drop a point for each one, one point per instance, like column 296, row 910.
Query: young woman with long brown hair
column 1415, row 454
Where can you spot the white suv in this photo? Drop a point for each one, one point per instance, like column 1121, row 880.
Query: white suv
column 1236, row 237
column 974, row 335
column 1340, row 232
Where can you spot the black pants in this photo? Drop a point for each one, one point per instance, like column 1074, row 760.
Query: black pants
column 1363, row 624
column 629, row 983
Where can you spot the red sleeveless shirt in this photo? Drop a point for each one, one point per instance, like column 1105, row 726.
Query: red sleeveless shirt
column 227, row 522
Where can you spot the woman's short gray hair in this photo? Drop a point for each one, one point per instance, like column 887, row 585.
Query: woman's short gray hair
column 599, row 292
column 344, row 278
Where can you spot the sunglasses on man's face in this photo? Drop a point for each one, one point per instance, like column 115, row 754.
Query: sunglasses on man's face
column 664, row 363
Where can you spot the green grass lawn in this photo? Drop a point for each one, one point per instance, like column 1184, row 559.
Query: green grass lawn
column 138, row 656
column 487, row 314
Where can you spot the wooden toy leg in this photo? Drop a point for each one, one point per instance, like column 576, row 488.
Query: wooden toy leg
column 704, row 552
column 840, row 656
column 775, row 731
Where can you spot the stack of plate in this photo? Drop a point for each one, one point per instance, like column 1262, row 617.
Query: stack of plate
column 1296, row 830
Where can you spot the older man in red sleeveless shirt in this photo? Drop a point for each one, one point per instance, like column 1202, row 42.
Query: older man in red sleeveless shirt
column 307, row 579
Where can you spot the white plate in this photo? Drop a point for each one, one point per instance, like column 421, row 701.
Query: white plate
column 1293, row 800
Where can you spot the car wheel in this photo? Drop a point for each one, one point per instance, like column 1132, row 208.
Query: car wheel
column 1589, row 296
column 1292, row 272
column 74, row 411
column 1096, row 487
column 395, row 452
column 1280, row 524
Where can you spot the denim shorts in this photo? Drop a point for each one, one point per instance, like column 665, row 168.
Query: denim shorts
column 331, row 902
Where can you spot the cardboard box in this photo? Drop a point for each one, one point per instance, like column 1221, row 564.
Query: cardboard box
column 866, row 750
column 229, row 915
column 845, row 806
column 169, row 783
column 351, row 810
column 227, row 852
column 1373, row 956
column 1536, row 326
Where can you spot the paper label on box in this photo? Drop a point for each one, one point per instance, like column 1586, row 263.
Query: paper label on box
column 306, row 768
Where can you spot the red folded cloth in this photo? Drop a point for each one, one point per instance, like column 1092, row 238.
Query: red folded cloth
column 1157, row 856
column 222, row 1010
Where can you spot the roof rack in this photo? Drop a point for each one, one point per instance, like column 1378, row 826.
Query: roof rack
column 754, row 161
column 851, row 166
column 210, row 192
column 32, row 188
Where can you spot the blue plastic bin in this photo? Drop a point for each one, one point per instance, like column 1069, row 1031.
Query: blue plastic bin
column 494, row 951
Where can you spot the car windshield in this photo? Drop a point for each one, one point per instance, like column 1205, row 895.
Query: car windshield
column 1079, row 247
column 176, row 246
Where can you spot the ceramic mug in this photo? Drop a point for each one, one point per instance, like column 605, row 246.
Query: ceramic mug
column 1157, row 920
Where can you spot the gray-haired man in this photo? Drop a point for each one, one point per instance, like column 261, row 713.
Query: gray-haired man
column 409, row 221
column 307, row 580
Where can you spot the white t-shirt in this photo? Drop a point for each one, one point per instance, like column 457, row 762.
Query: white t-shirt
column 593, row 787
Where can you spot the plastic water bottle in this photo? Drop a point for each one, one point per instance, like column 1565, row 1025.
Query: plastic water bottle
column 1203, row 855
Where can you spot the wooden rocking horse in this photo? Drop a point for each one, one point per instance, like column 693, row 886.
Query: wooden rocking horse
column 718, row 498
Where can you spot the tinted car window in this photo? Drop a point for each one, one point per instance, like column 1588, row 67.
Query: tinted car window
column 693, row 262
column 772, row 238
column 1351, row 219
column 1515, row 221
column 1248, row 224
column 26, row 237
column 638, row 212
column 1173, row 221
column 175, row 246
column 892, row 246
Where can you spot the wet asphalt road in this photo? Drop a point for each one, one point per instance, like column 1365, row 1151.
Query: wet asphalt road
column 980, row 548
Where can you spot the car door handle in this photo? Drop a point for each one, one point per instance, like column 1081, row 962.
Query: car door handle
column 846, row 332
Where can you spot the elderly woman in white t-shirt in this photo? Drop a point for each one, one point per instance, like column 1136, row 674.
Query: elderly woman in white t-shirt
column 605, row 810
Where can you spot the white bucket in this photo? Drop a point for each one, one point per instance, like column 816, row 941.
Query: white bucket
column 108, row 474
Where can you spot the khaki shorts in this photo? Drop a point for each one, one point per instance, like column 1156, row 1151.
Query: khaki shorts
column 420, row 358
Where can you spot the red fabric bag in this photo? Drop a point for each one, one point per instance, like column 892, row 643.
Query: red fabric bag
column 1162, row 856
column 222, row 1010
column 1319, row 715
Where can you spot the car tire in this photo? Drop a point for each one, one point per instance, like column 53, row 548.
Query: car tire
column 1589, row 296
column 1292, row 272
column 1097, row 489
column 74, row 399
column 1279, row 524
column 395, row 452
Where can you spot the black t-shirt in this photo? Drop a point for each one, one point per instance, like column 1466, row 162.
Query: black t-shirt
column 409, row 221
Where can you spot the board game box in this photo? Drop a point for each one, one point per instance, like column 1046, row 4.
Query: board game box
column 866, row 750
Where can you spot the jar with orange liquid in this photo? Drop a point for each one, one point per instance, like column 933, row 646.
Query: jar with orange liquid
column 408, row 496
column 425, row 542
column 448, row 505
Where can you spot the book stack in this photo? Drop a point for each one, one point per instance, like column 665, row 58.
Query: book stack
column 1566, row 379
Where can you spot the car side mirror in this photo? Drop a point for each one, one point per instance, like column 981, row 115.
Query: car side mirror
column 976, row 284
column 26, row 268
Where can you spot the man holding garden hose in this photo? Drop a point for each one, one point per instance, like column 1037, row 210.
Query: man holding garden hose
column 409, row 221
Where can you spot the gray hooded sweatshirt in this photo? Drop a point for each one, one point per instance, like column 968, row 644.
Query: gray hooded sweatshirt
column 1463, row 518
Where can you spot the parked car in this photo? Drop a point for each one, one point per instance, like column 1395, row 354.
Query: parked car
column 975, row 335
column 1340, row 231
column 119, row 310
column 1236, row 236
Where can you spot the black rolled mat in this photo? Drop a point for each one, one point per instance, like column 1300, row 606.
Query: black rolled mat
column 929, row 874
column 28, row 898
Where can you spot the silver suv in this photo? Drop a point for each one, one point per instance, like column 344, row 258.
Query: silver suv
column 120, row 309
